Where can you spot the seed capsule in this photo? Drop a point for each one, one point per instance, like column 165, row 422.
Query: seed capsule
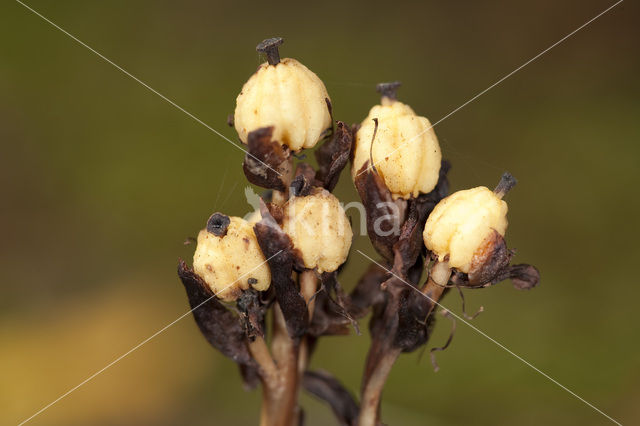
column 405, row 148
column 319, row 229
column 462, row 225
column 228, row 257
column 284, row 94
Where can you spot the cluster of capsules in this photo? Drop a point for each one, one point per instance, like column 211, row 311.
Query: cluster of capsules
column 289, row 102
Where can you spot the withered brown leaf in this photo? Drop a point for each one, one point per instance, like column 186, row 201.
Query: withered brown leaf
column 220, row 326
column 489, row 259
column 333, row 156
column 278, row 249
column 367, row 292
column 523, row 276
column 326, row 387
column 267, row 161
column 252, row 312
column 381, row 216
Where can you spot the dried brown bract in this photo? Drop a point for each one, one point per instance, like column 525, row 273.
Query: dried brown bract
column 253, row 310
column 333, row 156
column 368, row 292
column 326, row 387
column 492, row 257
column 219, row 325
column 267, row 163
column 382, row 217
column 278, row 248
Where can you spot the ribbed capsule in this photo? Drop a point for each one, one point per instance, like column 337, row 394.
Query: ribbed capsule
column 287, row 96
column 228, row 257
column 319, row 229
column 460, row 225
column 405, row 150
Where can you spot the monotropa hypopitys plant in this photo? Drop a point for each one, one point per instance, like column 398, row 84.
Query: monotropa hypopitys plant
column 284, row 260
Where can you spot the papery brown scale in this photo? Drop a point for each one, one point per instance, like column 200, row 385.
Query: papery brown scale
column 523, row 276
column 410, row 243
column 267, row 161
column 252, row 312
column 326, row 387
column 337, row 297
column 377, row 200
column 330, row 315
column 300, row 186
column 489, row 259
column 414, row 321
column 308, row 172
column 333, row 156
column 327, row 321
column 220, row 327
column 278, row 250
column 367, row 292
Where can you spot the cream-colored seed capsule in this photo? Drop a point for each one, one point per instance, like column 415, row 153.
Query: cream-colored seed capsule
column 319, row 229
column 405, row 150
column 460, row 223
column 289, row 97
column 229, row 259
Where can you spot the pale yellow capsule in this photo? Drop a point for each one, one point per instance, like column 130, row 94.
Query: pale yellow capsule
column 405, row 152
column 319, row 229
column 232, row 262
column 460, row 223
column 287, row 96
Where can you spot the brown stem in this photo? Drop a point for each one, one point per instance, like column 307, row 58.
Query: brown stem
column 438, row 277
column 371, row 394
column 308, row 286
column 279, row 398
column 260, row 353
column 381, row 358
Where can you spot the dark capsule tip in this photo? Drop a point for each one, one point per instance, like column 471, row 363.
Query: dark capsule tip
column 270, row 48
column 507, row 182
column 389, row 90
column 269, row 43
column 218, row 224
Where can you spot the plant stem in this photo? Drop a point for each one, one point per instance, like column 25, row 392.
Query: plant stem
column 439, row 276
column 279, row 397
column 260, row 352
column 308, row 286
column 371, row 394
column 381, row 357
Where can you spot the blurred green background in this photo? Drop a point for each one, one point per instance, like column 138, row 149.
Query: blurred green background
column 102, row 181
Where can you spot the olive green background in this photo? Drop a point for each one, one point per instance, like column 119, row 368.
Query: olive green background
column 102, row 181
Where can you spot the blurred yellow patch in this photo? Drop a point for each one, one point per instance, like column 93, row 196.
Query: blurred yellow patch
column 43, row 356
